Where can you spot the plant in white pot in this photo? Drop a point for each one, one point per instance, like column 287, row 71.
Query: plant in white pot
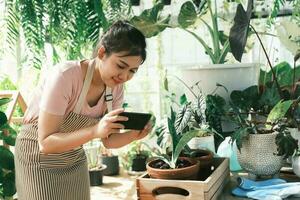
column 203, row 113
column 96, row 168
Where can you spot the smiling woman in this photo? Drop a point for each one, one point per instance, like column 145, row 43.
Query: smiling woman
column 80, row 101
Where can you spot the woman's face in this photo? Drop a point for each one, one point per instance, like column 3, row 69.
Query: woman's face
column 117, row 69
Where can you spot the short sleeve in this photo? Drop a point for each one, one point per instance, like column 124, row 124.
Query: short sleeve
column 56, row 93
column 118, row 97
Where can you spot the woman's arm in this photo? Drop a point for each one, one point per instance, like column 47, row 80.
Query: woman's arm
column 117, row 140
column 53, row 141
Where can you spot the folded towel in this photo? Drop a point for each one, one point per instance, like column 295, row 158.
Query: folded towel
column 272, row 189
column 269, row 194
column 248, row 184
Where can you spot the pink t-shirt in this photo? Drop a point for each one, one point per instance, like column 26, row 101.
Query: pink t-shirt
column 60, row 91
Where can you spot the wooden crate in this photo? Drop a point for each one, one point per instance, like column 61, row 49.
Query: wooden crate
column 208, row 186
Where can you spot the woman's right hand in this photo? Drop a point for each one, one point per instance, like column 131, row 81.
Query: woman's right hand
column 107, row 125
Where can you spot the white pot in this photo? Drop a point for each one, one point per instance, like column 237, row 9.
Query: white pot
column 207, row 142
column 296, row 165
column 258, row 155
column 232, row 76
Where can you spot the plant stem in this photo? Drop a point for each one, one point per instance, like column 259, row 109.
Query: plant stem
column 294, row 77
column 185, row 85
column 272, row 70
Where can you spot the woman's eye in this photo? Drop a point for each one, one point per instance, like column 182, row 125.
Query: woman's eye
column 121, row 67
column 133, row 71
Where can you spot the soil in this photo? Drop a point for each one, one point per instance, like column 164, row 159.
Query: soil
column 181, row 163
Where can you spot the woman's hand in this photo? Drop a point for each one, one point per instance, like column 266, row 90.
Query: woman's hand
column 107, row 125
column 137, row 135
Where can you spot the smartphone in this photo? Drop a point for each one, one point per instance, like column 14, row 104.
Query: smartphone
column 136, row 121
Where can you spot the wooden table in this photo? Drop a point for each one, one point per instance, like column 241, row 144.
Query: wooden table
column 122, row 187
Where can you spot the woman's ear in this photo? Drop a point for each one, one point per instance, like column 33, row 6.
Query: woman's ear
column 101, row 52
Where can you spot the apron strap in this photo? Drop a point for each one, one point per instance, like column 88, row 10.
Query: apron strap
column 85, row 87
column 108, row 98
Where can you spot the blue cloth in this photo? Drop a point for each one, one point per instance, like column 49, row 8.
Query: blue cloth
column 272, row 189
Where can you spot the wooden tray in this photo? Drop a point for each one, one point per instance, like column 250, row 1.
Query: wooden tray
column 208, row 186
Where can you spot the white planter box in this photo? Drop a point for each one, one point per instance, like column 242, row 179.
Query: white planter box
column 232, row 76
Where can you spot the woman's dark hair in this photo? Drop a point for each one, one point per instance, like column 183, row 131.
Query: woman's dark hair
column 122, row 36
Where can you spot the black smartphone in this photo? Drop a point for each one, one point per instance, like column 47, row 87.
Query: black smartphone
column 136, row 121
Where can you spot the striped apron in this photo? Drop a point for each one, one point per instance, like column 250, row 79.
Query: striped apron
column 55, row 176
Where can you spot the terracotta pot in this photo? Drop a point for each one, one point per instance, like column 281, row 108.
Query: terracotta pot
column 205, row 157
column 179, row 173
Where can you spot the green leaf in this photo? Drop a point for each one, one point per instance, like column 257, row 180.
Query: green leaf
column 239, row 31
column 9, row 186
column 10, row 139
column 279, row 111
column 7, row 158
column 173, row 134
column 149, row 22
column 3, row 119
column 183, row 118
column 166, row 84
column 182, row 143
column 187, row 15
column 270, row 97
column 4, row 101
column 245, row 99
column 183, row 99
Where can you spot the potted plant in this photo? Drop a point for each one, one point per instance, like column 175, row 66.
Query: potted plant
column 110, row 160
column 95, row 166
column 233, row 76
column 7, row 167
column 202, row 112
column 168, row 164
column 135, row 157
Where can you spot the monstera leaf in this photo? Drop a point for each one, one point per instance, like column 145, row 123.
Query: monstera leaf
column 150, row 22
column 187, row 15
column 239, row 31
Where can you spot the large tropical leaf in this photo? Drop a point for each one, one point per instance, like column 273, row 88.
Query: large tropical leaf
column 279, row 111
column 3, row 119
column 4, row 101
column 9, row 186
column 183, row 118
column 7, row 158
column 181, row 144
column 187, row 15
column 150, row 22
column 239, row 31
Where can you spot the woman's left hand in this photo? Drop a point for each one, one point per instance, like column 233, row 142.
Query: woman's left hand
column 137, row 134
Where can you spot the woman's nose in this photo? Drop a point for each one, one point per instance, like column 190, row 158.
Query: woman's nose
column 123, row 76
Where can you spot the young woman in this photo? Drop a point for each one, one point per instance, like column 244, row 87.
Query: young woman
column 79, row 101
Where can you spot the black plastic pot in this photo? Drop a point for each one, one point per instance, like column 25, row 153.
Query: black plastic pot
column 139, row 163
column 96, row 176
column 167, row 2
column 112, row 163
column 135, row 2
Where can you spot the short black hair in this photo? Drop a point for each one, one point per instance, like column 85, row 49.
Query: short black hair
column 122, row 36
